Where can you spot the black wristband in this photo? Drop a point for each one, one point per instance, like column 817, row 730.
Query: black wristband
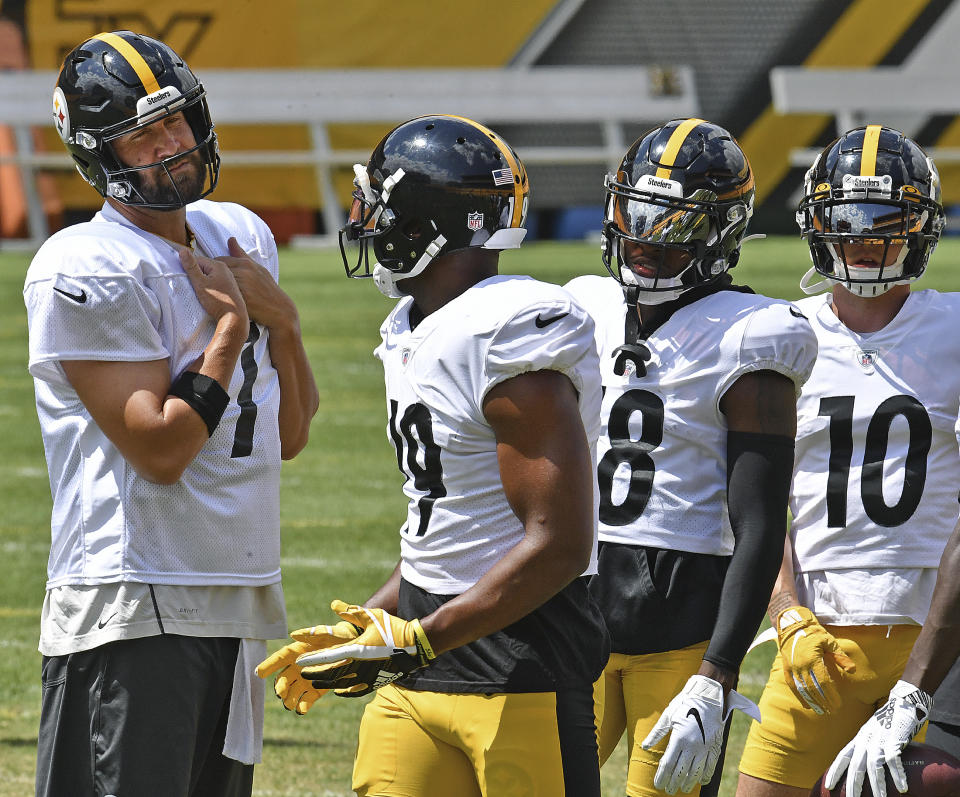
column 204, row 394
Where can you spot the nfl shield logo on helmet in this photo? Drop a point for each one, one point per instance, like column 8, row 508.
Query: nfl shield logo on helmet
column 474, row 221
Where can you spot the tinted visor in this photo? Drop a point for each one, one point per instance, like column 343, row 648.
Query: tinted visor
column 663, row 220
column 868, row 219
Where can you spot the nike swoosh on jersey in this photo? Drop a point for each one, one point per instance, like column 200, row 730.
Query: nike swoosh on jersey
column 102, row 623
column 79, row 298
column 542, row 322
column 696, row 715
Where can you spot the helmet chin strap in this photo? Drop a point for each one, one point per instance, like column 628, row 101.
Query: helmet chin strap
column 808, row 286
column 386, row 280
column 667, row 290
column 866, row 289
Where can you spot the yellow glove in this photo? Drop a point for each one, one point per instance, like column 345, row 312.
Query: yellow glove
column 296, row 692
column 813, row 661
column 387, row 649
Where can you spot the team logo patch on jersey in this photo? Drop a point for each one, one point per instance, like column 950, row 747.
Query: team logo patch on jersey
column 475, row 221
column 61, row 114
column 867, row 358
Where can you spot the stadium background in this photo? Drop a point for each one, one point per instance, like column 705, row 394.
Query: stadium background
column 341, row 499
column 731, row 45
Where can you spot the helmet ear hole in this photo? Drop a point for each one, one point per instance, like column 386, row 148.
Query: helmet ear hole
column 412, row 229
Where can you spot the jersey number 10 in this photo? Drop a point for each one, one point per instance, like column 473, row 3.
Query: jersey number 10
column 839, row 409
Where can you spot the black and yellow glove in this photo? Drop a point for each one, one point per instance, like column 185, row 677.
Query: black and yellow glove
column 386, row 650
column 296, row 692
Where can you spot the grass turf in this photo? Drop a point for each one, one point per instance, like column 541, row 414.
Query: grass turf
column 341, row 502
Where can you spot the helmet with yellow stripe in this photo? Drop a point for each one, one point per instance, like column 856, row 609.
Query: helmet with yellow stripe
column 870, row 211
column 683, row 195
column 118, row 83
column 433, row 185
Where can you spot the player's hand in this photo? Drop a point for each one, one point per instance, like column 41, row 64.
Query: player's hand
column 215, row 287
column 266, row 303
column 880, row 741
column 813, row 661
column 296, row 692
column 694, row 719
column 387, row 649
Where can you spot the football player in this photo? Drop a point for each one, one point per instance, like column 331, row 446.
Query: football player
column 170, row 382
column 700, row 381
column 874, row 494
column 484, row 643
column 883, row 737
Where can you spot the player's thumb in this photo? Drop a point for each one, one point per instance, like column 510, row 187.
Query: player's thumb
column 235, row 249
column 661, row 729
column 189, row 261
column 843, row 661
column 351, row 613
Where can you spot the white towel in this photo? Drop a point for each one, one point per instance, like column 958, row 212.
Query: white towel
column 244, row 737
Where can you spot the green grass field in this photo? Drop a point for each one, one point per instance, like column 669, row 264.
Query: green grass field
column 341, row 502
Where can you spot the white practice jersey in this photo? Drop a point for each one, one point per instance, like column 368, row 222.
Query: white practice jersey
column 459, row 523
column 663, row 439
column 107, row 290
column 877, row 466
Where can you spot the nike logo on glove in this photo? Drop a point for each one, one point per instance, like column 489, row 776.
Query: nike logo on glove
column 696, row 715
column 542, row 322
column 79, row 298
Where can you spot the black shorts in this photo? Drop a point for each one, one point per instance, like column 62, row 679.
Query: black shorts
column 655, row 600
column 140, row 717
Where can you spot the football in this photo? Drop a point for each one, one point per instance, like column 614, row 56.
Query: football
column 930, row 773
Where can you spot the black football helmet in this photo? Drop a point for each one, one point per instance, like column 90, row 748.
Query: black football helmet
column 684, row 186
column 872, row 186
column 116, row 83
column 433, row 185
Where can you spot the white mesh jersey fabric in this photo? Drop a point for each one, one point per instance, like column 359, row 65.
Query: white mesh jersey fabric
column 877, row 465
column 459, row 522
column 219, row 524
column 663, row 439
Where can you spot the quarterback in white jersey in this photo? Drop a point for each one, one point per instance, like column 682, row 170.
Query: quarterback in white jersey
column 700, row 381
column 874, row 496
column 170, row 381
column 484, row 643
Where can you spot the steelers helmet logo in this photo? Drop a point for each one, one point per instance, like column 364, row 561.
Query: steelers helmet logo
column 61, row 114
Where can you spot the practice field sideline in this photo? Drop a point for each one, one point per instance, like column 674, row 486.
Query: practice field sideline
column 341, row 501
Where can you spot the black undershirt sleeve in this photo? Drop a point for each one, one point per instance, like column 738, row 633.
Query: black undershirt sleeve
column 759, row 469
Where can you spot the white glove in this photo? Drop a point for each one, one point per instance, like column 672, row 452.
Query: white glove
column 880, row 741
column 694, row 719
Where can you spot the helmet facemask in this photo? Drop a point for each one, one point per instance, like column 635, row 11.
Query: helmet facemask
column 402, row 247
column 656, row 215
column 153, row 185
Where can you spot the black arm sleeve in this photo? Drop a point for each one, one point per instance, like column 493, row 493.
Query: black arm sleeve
column 759, row 469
